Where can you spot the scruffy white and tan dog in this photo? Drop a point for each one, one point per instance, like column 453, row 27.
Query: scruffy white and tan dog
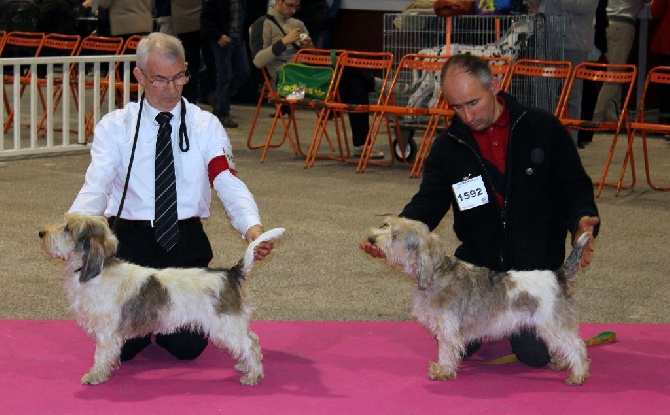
column 113, row 300
column 459, row 302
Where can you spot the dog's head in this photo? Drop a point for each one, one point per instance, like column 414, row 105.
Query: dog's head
column 82, row 241
column 409, row 245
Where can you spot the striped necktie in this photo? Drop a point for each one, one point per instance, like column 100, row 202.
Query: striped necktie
column 166, row 229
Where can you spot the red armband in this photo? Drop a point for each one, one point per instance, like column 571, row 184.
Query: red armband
column 218, row 165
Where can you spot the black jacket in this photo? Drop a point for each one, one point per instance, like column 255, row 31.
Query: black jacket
column 215, row 19
column 547, row 191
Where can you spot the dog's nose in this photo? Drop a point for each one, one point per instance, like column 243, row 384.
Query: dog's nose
column 41, row 234
column 372, row 240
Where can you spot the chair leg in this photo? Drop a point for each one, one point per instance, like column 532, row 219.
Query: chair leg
column 647, row 167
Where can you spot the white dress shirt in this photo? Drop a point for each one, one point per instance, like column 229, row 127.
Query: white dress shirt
column 110, row 156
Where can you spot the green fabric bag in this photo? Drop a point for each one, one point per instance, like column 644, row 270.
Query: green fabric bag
column 315, row 79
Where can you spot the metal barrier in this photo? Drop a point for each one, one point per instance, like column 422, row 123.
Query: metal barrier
column 64, row 128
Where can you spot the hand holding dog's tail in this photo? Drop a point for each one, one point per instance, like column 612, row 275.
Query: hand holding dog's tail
column 248, row 260
column 571, row 264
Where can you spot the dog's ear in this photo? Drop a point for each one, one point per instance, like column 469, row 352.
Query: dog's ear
column 92, row 258
column 430, row 254
column 96, row 242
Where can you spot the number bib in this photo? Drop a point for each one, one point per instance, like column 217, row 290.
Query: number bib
column 470, row 193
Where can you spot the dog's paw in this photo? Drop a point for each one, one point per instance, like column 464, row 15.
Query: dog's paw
column 437, row 371
column 251, row 379
column 576, row 380
column 94, row 377
column 556, row 364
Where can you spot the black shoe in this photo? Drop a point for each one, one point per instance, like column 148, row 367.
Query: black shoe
column 132, row 347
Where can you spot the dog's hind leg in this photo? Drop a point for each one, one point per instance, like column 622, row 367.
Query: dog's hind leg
column 243, row 345
column 107, row 352
column 568, row 352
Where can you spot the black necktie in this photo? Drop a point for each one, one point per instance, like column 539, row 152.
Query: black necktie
column 166, row 228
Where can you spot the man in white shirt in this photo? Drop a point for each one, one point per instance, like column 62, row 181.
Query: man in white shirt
column 202, row 157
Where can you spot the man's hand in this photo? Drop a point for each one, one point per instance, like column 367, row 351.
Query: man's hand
column 264, row 248
column 371, row 250
column 291, row 37
column 587, row 224
column 224, row 40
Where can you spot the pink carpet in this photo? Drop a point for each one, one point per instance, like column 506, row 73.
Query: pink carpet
column 328, row 368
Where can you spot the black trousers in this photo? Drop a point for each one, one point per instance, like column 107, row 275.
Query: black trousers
column 138, row 245
column 527, row 347
column 355, row 87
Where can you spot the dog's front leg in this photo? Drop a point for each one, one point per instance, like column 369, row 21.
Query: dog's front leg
column 450, row 349
column 107, row 352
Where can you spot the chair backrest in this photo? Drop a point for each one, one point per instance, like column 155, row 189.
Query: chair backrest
column 378, row 63
column 129, row 48
column 500, row 67
column 100, row 45
column 97, row 46
column 56, row 44
column 658, row 75
column 3, row 34
column 422, row 74
column 622, row 74
column 22, row 44
column 543, row 80
column 320, row 57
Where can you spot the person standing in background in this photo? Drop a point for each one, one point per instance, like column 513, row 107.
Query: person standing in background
column 129, row 17
column 579, row 31
column 186, row 25
column 317, row 14
column 621, row 15
column 222, row 24
column 660, row 45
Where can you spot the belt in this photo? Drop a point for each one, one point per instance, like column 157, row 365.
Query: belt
column 125, row 223
column 621, row 19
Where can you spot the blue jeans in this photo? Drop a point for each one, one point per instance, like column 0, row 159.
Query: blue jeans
column 232, row 70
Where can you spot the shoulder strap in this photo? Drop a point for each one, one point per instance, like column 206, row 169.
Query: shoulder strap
column 273, row 20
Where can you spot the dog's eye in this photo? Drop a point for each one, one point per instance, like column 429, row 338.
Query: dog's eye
column 384, row 226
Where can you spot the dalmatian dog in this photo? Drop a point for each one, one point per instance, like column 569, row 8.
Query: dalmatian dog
column 425, row 85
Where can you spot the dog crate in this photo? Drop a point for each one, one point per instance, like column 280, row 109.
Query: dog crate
column 531, row 36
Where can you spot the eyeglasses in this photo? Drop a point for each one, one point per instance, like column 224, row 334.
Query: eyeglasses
column 291, row 5
column 180, row 79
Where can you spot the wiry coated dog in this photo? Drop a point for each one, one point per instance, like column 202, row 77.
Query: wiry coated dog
column 459, row 302
column 113, row 300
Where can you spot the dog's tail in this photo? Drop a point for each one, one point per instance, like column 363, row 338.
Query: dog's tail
column 571, row 265
column 248, row 261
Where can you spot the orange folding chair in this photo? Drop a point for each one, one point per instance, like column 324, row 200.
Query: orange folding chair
column 120, row 96
column 18, row 44
column 53, row 44
column 623, row 75
column 541, row 80
column 308, row 56
column 376, row 62
column 267, row 92
column 422, row 73
column 91, row 45
column 659, row 75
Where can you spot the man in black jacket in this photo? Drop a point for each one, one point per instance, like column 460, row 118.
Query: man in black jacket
column 514, row 181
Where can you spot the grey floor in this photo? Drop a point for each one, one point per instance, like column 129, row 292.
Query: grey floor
column 317, row 271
